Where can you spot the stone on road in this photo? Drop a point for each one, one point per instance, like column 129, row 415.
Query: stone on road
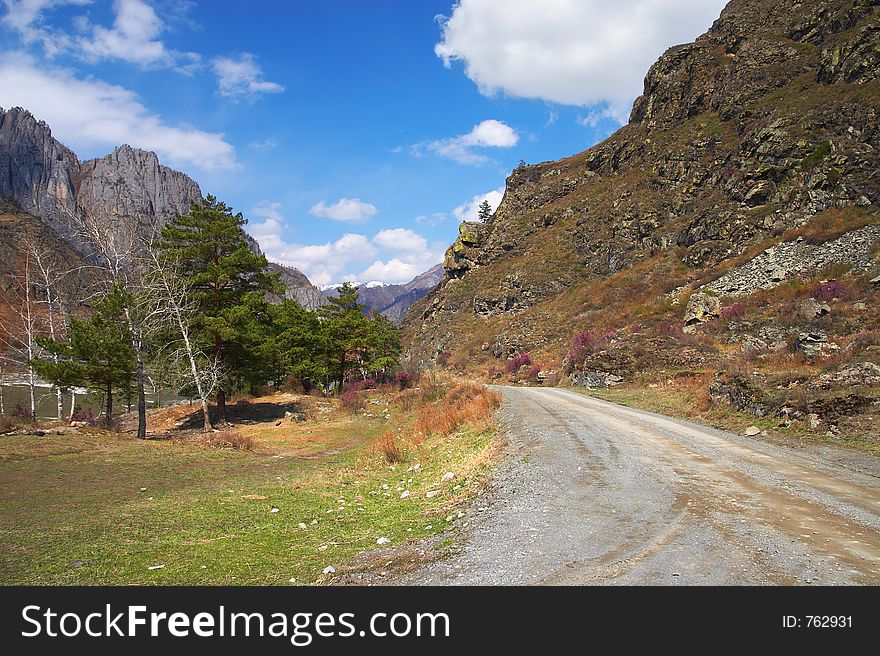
column 597, row 493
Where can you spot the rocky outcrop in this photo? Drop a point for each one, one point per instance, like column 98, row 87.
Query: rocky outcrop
column 788, row 260
column 132, row 190
column 702, row 308
column 37, row 171
column 128, row 189
column 738, row 392
column 297, row 287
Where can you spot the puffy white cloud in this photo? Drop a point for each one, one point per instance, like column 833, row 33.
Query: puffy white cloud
column 133, row 37
column 26, row 18
column 89, row 113
column 401, row 239
column 574, row 52
column 486, row 134
column 432, row 220
column 394, row 271
column 470, row 210
column 352, row 210
column 406, row 252
column 241, row 77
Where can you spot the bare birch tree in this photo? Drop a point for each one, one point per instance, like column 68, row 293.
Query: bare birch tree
column 168, row 295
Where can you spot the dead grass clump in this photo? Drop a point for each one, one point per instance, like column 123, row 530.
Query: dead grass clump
column 6, row 424
column 830, row 224
column 387, row 445
column 229, row 440
column 465, row 404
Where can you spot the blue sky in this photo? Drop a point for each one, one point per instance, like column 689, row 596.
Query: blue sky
column 353, row 135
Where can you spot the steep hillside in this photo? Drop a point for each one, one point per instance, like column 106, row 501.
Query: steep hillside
column 749, row 172
column 766, row 123
column 298, row 287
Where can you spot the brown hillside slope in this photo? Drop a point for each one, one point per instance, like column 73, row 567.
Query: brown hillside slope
column 764, row 126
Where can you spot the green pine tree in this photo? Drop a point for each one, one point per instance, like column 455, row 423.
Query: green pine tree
column 485, row 211
column 383, row 346
column 345, row 333
column 229, row 283
column 97, row 355
column 296, row 345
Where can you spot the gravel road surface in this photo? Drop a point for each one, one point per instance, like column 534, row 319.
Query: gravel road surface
column 596, row 493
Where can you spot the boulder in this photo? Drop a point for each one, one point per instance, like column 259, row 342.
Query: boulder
column 593, row 379
column 702, row 307
column 813, row 344
column 811, row 308
column 738, row 392
column 860, row 373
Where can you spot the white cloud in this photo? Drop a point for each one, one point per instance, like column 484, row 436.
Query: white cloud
column 394, row 271
column 133, row 37
column 486, row 134
column 432, row 220
column 352, row 210
column 26, row 18
column 401, row 239
column 241, row 77
column 89, row 113
column 266, row 144
column 470, row 210
column 573, row 52
column 407, row 253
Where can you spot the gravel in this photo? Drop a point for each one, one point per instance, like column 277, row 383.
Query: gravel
column 596, row 493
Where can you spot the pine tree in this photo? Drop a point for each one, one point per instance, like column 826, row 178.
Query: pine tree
column 345, row 333
column 383, row 346
column 296, row 345
column 485, row 211
column 98, row 354
column 229, row 282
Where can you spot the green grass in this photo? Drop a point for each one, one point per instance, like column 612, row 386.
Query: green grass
column 72, row 510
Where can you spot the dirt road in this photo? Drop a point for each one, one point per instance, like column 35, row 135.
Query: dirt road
column 596, row 493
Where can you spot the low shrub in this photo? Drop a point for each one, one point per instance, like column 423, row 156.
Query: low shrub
column 351, row 401
column 229, row 440
column 518, row 362
column 736, row 310
column 388, row 447
column 830, row 290
column 405, row 379
column 19, row 410
column 84, row 414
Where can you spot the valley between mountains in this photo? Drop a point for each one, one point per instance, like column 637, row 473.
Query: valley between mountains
column 656, row 361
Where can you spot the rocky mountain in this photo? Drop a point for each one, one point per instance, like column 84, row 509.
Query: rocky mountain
column 298, row 287
column 763, row 129
column 128, row 190
column 394, row 300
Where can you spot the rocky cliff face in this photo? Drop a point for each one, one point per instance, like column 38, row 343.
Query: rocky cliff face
column 297, row 287
column 128, row 188
column 133, row 190
column 36, row 170
column 765, row 125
